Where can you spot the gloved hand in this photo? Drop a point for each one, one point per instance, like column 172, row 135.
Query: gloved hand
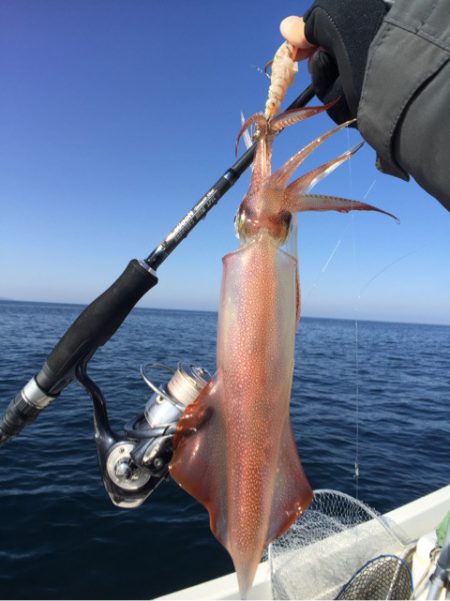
column 341, row 31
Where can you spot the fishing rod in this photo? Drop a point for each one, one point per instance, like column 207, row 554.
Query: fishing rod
column 134, row 464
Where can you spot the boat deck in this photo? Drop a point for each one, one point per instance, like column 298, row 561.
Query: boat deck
column 415, row 519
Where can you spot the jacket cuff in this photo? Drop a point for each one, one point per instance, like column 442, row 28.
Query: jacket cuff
column 408, row 50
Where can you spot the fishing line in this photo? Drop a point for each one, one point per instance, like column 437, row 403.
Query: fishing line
column 356, row 460
column 397, row 260
column 343, row 231
column 328, row 260
column 356, row 309
column 369, row 190
column 356, row 470
column 356, row 464
column 349, row 163
column 261, row 70
column 356, row 312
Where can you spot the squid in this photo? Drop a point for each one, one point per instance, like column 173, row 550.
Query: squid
column 234, row 449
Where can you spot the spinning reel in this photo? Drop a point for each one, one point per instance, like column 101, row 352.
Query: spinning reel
column 134, row 464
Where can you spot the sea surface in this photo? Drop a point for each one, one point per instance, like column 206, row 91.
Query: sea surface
column 60, row 536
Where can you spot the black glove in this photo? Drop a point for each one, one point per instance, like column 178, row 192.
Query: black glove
column 344, row 29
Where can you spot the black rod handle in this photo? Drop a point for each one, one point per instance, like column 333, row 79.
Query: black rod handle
column 95, row 326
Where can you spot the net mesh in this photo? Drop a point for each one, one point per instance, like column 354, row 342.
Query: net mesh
column 328, row 545
column 385, row 577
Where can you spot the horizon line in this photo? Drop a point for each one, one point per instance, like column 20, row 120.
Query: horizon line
column 415, row 323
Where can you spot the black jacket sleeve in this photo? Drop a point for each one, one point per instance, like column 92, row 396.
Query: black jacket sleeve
column 404, row 111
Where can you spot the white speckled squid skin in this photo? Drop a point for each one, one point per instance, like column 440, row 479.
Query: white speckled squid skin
column 241, row 461
column 257, row 325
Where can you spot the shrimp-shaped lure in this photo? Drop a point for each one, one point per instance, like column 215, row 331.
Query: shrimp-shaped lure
column 284, row 70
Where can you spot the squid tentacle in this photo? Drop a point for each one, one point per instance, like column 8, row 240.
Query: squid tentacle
column 284, row 173
column 295, row 115
column 320, row 202
column 312, row 178
column 255, row 119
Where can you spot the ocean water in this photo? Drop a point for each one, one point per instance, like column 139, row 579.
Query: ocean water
column 60, row 537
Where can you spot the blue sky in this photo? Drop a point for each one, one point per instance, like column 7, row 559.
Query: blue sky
column 117, row 115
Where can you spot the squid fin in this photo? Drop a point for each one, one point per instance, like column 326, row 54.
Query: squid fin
column 198, row 446
column 199, row 465
column 293, row 494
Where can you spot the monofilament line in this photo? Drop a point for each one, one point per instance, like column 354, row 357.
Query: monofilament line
column 356, row 464
column 356, row 334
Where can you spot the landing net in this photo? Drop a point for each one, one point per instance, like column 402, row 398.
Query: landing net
column 336, row 539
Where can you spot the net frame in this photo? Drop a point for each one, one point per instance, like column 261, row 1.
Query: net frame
column 328, row 544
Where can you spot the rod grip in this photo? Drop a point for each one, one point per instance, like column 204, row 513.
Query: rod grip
column 95, row 326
